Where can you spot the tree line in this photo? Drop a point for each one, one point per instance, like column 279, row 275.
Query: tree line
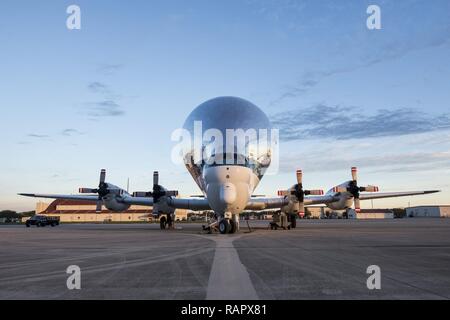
column 13, row 214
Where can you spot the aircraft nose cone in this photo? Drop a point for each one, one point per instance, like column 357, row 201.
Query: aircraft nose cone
column 228, row 193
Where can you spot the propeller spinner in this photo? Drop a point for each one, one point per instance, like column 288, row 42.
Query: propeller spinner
column 299, row 193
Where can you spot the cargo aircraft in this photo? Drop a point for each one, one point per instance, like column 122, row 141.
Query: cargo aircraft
column 228, row 185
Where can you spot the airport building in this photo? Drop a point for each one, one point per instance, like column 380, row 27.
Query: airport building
column 84, row 211
column 439, row 211
column 375, row 214
column 320, row 212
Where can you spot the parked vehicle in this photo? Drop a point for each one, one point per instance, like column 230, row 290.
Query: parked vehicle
column 42, row 221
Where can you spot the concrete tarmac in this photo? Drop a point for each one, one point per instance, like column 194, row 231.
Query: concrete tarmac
column 320, row 259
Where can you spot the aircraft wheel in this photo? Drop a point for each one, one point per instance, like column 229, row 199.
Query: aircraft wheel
column 233, row 227
column 224, row 226
column 162, row 223
column 293, row 221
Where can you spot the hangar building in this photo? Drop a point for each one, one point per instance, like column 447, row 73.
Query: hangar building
column 84, row 211
column 320, row 212
column 439, row 211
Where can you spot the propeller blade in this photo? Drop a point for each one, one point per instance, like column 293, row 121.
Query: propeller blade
column 102, row 176
column 155, row 178
column 370, row 189
column 354, row 173
column 171, row 193
column 99, row 206
column 301, row 209
column 87, row 190
column 140, row 194
column 357, row 205
column 299, row 176
column 339, row 189
column 317, row 192
column 283, row 193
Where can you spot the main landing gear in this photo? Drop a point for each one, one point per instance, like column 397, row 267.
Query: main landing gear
column 166, row 222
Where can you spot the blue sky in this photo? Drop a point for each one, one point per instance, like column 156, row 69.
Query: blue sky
column 110, row 95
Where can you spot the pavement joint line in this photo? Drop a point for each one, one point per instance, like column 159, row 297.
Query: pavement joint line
column 229, row 278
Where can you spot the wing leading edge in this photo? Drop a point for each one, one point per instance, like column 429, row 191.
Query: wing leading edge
column 61, row 196
column 380, row 195
column 278, row 202
column 177, row 203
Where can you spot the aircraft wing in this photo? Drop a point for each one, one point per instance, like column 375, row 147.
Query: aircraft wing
column 379, row 195
column 61, row 196
column 311, row 200
column 266, row 203
column 195, row 204
column 140, row 201
column 278, row 202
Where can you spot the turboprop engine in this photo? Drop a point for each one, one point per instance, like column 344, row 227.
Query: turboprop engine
column 296, row 196
column 348, row 193
column 108, row 195
column 159, row 195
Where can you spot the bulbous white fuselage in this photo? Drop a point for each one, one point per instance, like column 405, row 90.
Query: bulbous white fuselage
column 235, row 160
column 228, row 188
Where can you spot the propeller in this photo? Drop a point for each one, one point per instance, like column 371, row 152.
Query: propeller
column 157, row 192
column 354, row 189
column 102, row 190
column 299, row 193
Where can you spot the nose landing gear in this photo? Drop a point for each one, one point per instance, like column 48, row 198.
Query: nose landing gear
column 224, row 226
column 227, row 225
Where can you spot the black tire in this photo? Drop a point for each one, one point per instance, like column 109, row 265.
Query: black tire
column 233, row 227
column 293, row 221
column 28, row 225
column 52, row 224
column 162, row 223
column 224, row 226
column 38, row 224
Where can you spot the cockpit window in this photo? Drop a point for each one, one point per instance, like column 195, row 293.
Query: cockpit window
column 236, row 159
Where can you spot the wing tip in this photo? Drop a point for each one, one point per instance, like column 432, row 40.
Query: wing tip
column 27, row 194
column 431, row 191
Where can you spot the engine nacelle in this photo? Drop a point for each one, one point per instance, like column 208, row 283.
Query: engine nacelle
column 161, row 207
column 111, row 203
column 292, row 206
column 343, row 203
column 345, row 199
